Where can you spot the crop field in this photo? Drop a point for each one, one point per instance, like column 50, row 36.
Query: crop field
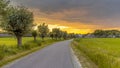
column 104, row 52
column 11, row 41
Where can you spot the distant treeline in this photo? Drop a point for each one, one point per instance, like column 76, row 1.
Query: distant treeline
column 104, row 34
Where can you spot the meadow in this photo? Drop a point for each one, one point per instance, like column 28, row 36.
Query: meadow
column 11, row 41
column 104, row 52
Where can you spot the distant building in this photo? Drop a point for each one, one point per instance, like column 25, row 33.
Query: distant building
column 5, row 35
column 79, row 35
column 9, row 35
column 88, row 36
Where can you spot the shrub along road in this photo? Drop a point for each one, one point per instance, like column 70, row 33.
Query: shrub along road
column 57, row 55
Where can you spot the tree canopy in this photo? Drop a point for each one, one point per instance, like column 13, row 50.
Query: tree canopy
column 106, row 33
column 43, row 30
column 18, row 22
column 3, row 6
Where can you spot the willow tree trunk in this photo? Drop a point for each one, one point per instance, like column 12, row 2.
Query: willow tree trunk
column 42, row 38
column 34, row 38
column 19, row 41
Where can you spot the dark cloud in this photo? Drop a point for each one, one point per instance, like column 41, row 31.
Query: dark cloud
column 101, row 12
column 56, row 5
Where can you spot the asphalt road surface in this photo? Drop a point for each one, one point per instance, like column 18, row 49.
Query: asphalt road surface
column 57, row 55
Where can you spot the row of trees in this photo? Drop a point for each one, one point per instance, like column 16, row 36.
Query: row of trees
column 18, row 21
column 43, row 31
column 107, row 33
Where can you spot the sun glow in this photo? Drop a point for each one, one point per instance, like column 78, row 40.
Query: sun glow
column 65, row 26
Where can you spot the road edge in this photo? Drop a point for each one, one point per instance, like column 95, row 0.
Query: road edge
column 75, row 60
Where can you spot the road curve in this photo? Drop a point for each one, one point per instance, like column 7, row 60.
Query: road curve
column 57, row 55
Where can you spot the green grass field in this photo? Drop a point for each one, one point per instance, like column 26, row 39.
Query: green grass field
column 9, row 50
column 104, row 52
column 11, row 41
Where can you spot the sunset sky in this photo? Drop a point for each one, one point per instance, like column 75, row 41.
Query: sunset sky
column 78, row 16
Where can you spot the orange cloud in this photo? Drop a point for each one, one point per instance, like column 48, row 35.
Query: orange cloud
column 66, row 26
column 54, row 21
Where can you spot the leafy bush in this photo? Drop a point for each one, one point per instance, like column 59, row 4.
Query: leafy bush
column 2, row 55
column 26, row 47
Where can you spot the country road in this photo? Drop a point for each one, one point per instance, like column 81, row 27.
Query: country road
column 57, row 55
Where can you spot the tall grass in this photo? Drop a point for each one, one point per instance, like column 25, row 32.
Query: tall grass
column 11, row 41
column 105, row 52
column 8, row 46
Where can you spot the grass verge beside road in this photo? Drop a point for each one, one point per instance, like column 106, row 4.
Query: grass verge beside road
column 9, row 52
column 104, row 52
column 83, row 58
